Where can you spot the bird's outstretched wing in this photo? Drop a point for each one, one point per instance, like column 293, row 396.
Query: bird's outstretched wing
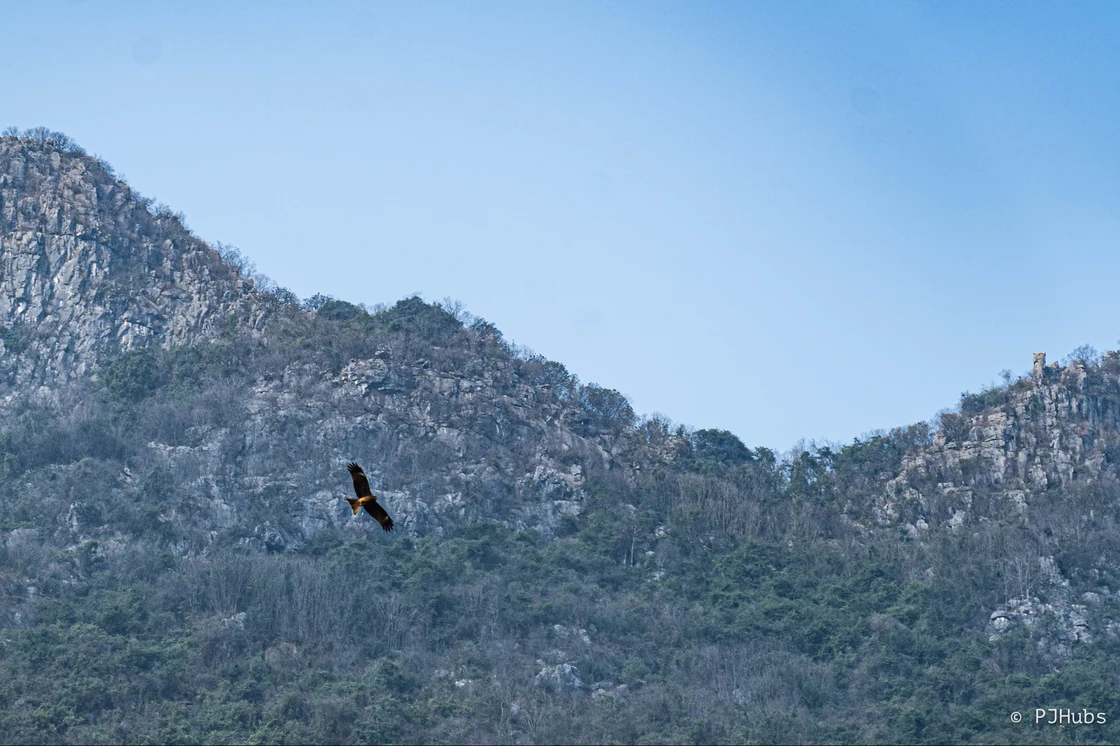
column 361, row 484
column 366, row 499
column 374, row 509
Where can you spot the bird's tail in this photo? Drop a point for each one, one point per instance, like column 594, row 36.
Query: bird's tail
column 354, row 506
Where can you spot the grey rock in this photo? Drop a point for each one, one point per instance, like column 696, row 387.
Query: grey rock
column 563, row 677
column 1054, row 428
column 87, row 270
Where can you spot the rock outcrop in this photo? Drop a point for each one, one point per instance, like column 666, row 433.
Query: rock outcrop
column 1048, row 431
column 441, row 448
column 89, row 268
column 563, row 677
column 1013, row 456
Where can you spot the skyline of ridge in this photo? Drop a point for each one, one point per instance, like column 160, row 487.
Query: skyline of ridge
column 43, row 137
column 781, row 222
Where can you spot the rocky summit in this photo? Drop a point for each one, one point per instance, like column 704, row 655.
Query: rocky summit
column 178, row 562
column 88, row 268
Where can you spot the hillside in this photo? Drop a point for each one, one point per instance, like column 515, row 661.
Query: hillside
column 177, row 562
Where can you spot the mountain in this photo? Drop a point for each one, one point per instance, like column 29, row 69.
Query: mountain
column 461, row 428
column 177, row 561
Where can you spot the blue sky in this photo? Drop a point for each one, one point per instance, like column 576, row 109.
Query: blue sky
column 788, row 220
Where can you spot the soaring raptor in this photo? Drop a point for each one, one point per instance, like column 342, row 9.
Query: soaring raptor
column 366, row 499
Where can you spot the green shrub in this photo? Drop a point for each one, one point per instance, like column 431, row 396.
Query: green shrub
column 135, row 375
column 339, row 310
column 720, row 446
column 14, row 339
column 954, row 426
column 990, row 398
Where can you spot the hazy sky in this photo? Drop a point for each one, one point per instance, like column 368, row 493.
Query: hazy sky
column 786, row 219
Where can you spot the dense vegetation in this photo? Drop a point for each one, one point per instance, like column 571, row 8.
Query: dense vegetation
column 726, row 595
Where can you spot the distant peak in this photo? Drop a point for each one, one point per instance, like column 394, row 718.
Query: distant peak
column 43, row 137
column 90, row 267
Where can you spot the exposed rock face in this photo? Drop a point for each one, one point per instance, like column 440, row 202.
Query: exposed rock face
column 87, row 269
column 1038, row 369
column 1063, row 618
column 563, row 677
column 439, row 448
column 1007, row 462
column 1055, row 428
column 601, row 689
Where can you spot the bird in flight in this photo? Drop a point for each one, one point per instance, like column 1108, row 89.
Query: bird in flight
column 366, row 499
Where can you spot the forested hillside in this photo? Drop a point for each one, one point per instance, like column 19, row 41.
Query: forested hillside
column 178, row 564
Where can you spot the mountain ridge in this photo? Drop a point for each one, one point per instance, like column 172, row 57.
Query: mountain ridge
column 90, row 270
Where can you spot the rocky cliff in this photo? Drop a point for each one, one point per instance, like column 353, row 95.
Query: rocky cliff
column 88, row 268
column 441, row 447
column 1054, row 429
column 1040, row 454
